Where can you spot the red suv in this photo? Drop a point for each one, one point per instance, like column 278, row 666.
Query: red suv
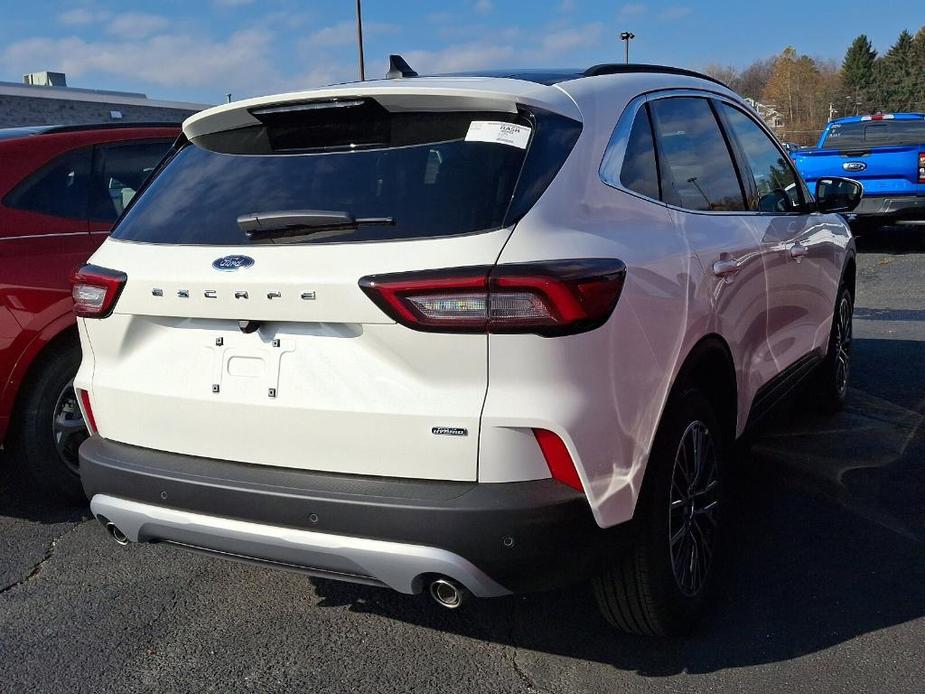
column 61, row 189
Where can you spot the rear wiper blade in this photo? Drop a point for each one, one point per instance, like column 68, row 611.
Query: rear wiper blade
column 280, row 224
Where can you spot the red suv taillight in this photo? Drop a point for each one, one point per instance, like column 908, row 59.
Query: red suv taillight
column 95, row 290
column 921, row 167
column 559, row 297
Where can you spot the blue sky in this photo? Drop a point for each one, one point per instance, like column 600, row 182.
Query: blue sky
column 200, row 49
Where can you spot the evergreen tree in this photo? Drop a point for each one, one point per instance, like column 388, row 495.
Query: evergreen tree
column 918, row 44
column 901, row 75
column 858, row 74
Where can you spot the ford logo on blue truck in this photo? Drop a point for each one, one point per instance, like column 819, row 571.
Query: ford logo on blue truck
column 886, row 153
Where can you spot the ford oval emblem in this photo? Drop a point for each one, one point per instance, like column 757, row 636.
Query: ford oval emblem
column 854, row 166
column 229, row 263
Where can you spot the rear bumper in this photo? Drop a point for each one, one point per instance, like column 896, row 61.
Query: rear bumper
column 897, row 207
column 492, row 538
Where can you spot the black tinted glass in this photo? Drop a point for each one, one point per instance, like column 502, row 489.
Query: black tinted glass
column 875, row 133
column 448, row 186
column 119, row 171
column 698, row 173
column 640, row 172
column 775, row 182
column 59, row 188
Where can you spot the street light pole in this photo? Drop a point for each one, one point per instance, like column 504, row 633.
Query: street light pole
column 360, row 41
column 626, row 37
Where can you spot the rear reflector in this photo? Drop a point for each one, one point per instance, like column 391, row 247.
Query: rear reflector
column 95, row 290
column 89, row 419
column 560, row 297
column 921, row 167
column 560, row 463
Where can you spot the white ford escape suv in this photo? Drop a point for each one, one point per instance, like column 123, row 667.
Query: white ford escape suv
column 465, row 334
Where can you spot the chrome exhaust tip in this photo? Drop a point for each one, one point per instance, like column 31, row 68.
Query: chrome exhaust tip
column 116, row 534
column 448, row 593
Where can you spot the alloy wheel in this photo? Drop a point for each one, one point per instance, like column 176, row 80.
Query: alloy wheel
column 68, row 427
column 842, row 346
column 692, row 508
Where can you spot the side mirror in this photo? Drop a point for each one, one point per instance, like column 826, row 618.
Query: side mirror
column 838, row 194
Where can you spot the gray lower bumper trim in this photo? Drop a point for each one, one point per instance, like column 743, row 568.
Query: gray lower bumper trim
column 396, row 565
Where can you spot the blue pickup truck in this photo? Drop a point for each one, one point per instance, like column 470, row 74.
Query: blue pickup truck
column 886, row 153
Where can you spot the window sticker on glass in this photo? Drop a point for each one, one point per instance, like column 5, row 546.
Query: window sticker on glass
column 499, row 132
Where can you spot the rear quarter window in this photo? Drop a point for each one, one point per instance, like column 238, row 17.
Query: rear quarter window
column 638, row 171
column 59, row 188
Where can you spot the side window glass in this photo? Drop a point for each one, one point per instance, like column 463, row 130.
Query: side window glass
column 697, row 168
column 119, row 171
column 775, row 181
column 59, row 188
column 639, row 172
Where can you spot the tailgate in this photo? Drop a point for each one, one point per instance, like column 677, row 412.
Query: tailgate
column 327, row 383
column 883, row 170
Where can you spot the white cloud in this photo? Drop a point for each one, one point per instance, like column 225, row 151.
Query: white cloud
column 497, row 50
column 77, row 17
column 240, row 63
column 136, row 25
column 469, row 56
column 674, row 12
column 556, row 43
column 633, row 9
column 345, row 33
column 484, row 6
column 567, row 6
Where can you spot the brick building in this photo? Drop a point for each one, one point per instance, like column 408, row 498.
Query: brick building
column 45, row 99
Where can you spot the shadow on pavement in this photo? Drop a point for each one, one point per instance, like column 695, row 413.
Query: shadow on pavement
column 893, row 240
column 828, row 544
column 20, row 499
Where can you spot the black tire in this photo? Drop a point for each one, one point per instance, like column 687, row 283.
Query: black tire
column 832, row 376
column 641, row 592
column 35, row 438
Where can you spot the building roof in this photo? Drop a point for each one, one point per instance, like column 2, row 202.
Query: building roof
column 103, row 96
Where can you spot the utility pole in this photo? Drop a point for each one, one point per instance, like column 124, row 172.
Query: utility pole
column 360, row 41
column 626, row 37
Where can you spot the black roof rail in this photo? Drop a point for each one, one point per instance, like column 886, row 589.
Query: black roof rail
column 629, row 68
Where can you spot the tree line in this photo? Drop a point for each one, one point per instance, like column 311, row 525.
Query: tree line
column 808, row 91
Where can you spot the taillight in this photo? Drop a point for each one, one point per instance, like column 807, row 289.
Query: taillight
column 89, row 419
column 95, row 290
column 560, row 463
column 560, row 297
column 921, row 167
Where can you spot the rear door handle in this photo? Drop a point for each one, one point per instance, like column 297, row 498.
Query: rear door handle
column 798, row 251
column 726, row 268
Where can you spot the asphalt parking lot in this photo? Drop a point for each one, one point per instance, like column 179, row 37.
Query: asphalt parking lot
column 827, row 592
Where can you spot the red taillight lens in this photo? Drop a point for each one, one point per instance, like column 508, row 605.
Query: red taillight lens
column 95, row 290
column 560, row 463
column 921, row 167
column 561, row 297
column 88, row 410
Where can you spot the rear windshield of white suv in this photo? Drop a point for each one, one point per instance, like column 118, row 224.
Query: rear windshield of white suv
column 426, row 174
column 875, row 133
